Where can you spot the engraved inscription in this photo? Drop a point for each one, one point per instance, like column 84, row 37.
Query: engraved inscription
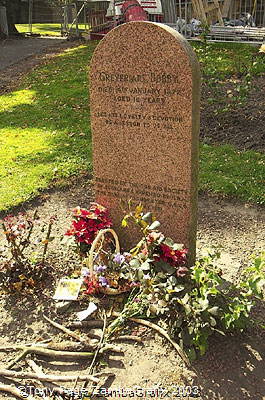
column 140, row 91
column 155, row 197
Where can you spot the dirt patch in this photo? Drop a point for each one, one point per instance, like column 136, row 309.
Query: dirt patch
column 233, row 369
column 242, row 126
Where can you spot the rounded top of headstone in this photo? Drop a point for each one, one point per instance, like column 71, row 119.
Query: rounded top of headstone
column 142, row 39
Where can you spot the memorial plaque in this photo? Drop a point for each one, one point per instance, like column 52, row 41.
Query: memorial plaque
column 145, row 83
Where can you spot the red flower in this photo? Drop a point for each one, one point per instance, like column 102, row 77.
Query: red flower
column 88, row 222
column 175, row 258
column 92, row 286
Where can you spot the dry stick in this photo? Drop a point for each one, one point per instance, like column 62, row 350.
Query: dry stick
column 66, row 345
column 47, row 378
column 14, row 391
column 128, row 337
column 86, row 324
column 68, row 355
column 64, row 329
column 17, row 359
column 38, row 370
column 162, row 332
column 99, row 347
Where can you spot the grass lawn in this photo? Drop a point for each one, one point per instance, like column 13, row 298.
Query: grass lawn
column 45, row 133
column 44, row 29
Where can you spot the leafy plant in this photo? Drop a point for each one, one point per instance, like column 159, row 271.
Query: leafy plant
column 196, row 302
column 21, row 264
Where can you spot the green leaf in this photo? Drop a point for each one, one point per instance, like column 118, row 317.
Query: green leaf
column 191, row 353
column 177, row 246
column 169, row 242
column 145, row 266
column 134, row 263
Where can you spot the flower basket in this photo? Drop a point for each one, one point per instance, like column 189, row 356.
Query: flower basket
column 96, row 248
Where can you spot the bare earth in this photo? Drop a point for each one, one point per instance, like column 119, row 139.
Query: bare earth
column 234, row 366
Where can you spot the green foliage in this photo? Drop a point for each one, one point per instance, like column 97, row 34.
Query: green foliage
column 233, row 63
column 195, row 302
column 211, row 304
column 225, row 60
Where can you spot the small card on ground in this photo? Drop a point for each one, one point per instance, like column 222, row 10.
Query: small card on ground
column 68, row 289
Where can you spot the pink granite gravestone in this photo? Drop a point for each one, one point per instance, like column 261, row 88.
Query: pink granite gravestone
column 145, row 86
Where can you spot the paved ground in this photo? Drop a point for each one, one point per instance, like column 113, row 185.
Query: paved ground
column 13, row 51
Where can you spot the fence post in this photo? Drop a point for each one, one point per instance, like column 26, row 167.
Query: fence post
column 3, row 21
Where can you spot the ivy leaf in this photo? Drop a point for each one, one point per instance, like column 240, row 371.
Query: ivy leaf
column 191, row 353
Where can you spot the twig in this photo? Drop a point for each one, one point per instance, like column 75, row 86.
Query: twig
column 17, row 359
column 15, row 347
column 69, row 355
column 30, row 232
column 128, row 337
column 38, row 370
column 46, row 241
column 14, row 391
column 99, row 346
column 162, row 332
column 64, row 329
column 62, row 346
column 47, row 378
column 97, row 323
column 110, row 347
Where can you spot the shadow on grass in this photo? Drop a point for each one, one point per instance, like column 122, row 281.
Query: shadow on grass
column 56, row 115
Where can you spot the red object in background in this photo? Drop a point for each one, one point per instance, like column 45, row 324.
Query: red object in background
column 133, row 11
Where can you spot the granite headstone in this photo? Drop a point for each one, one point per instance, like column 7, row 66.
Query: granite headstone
column 144, row 102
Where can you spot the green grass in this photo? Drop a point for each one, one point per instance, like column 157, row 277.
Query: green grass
column 223, row 60
column 44, row 128
column 44, row 29
column 228, row 171
column 45, row 136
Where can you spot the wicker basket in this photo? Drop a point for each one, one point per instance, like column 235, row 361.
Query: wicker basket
column 94, row 251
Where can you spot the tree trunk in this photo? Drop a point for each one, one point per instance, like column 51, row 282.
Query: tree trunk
column 12, row 14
